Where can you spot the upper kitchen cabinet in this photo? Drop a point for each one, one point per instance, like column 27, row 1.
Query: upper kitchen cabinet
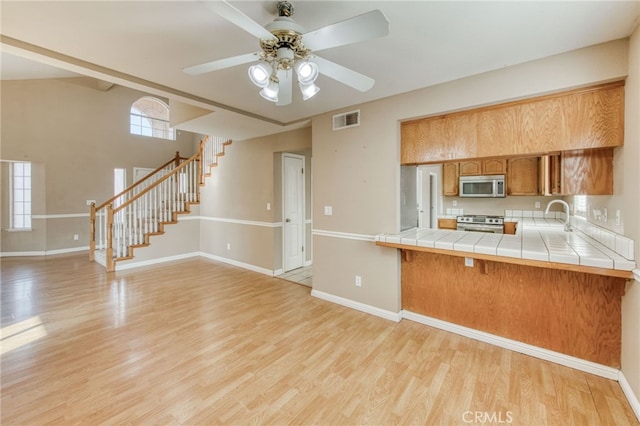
column 581, row 119
column 579, row 172
column 446, row 137
column 587, row 172
column 483, row 167
column 523, row 176
column 450, row 182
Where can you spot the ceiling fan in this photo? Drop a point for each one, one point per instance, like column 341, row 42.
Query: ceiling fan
column 287, row 48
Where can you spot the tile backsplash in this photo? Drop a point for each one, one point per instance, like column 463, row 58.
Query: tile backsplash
column 454, row 212
column 619, row 243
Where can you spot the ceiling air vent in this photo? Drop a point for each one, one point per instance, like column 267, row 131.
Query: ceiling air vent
column 345, row 120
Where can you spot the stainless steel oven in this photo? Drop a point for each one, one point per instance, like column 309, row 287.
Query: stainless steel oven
column 481, row 223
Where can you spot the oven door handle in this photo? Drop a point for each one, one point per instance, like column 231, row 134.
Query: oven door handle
column 496, row 229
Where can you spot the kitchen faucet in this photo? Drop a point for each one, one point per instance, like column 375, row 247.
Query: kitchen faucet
column 567, row 224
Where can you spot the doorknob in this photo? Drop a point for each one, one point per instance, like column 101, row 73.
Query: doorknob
column 287, row 220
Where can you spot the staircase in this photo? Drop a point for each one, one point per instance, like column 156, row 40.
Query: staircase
column 129, row 219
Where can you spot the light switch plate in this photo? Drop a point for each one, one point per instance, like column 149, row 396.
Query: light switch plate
column 328, row 210
column 468, row 261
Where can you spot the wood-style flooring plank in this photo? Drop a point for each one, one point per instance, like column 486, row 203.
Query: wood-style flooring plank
column 199, row 342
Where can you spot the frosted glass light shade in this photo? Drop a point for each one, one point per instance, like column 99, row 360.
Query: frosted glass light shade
column 260, row 74
column 308, row 90
column 307, row 72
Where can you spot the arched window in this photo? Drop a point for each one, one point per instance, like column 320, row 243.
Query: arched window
column 150, row 117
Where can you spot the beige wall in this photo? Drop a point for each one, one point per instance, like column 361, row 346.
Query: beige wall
column 75, row 135
column 628, row 160
column 234, row 200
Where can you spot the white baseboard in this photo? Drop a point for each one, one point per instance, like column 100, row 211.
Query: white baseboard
column 43, row 252
column 248, row 266
column 631, row 397
column 308, row 263
column 393, row 316
column 68, row 250
column 278, row 272
column 123, row 266
column 514, row 345
column 22, row 253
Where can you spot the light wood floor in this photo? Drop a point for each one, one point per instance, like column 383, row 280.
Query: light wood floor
column 198, row 342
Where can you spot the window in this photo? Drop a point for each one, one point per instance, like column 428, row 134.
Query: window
column 150, row 117
column 580, row 205
column 20, row 195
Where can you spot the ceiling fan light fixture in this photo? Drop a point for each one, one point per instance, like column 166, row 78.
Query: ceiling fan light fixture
column 260, row 74
column 270, row 91
column 307, row 72
column 308, row 90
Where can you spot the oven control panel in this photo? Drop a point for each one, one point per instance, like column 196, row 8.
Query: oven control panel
column 488, row 220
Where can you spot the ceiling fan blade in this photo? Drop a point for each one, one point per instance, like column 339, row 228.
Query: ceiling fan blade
column 359, row 28
column 236, row 17
column 284, row 87
column 344, row 75
column 221, row 63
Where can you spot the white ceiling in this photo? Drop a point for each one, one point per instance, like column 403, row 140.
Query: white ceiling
column 148, row 43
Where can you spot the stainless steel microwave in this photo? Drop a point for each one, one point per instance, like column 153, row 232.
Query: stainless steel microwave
column 482, row 186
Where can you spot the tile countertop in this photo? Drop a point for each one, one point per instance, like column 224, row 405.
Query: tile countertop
column 539, row 239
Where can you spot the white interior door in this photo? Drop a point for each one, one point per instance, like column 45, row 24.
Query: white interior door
column 292, row 211
column 428, row 191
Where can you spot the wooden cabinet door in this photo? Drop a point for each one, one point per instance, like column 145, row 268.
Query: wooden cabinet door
column 594, row 119
column 587, row 172
column 522, row 177
column 450, row 179
column 494, row 167
column 555, row 174
column 470, row 168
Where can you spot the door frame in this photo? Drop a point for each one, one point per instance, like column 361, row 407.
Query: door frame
column 303, row 207
column 435, row 192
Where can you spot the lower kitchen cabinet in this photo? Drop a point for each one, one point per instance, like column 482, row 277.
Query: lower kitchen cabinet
column 447, row 224
column 510, row 227
column 574, row 313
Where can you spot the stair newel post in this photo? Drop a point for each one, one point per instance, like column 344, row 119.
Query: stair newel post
column 92, row 232
column 110, row 261
column 177, row 159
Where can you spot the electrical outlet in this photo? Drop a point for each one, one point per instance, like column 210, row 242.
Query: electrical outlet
column 618, row 220
column 605, row 214
column 455, row 203
column 228, row 246
column 89, row 202
column 358, row 281
column 468, row 262
column 268, row 206
column 76, row 237
column 537, row 204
